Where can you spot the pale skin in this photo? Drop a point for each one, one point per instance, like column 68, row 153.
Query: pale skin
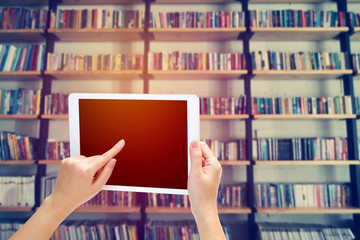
column 81, row 178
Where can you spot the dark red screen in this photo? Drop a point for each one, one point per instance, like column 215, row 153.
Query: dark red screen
column 155, row 134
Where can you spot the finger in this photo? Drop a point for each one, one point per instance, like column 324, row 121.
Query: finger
column 195, row 156
column 103, row 159
column 206, row 152
column 105, row 174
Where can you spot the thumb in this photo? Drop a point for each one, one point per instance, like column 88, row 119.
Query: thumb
column 105, row 174
column 196, row 156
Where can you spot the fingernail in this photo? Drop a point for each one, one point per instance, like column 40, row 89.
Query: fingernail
column 195, row 144
column 121, row 143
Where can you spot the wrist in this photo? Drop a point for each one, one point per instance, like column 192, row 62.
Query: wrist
column 59, row 209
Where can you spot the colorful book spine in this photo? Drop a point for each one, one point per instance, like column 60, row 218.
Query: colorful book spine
column 187, row 230
column 302, row 195
column 269, row 60
column 23, row 18
column 196, row 61
column 291, row 18
column 228, row 151
column 29, row 58
column 17, row 147
column 193, row 19
column 73, row 230
column 56, row 103
column 307, row 149
column 96, row 19
column 222, row 105
column 302, row 105
column 57, row 150
column 103, row 198
column 20, row 101
column 20, row 191
column 106, row 62
column 355, row 62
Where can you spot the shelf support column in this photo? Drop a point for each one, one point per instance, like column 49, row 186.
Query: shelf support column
column 351, row 127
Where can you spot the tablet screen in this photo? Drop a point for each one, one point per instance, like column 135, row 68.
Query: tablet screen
column 155, row 134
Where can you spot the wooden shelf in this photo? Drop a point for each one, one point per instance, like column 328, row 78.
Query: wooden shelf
column 195, row 1
column 291, row 1
column 20, row 75
column 78, row 2
column 17, row 162
column 55, row 162
column 18, row 116
column 107, row 209
column 196, row 74
column 276, row 210
column 318, row 162
column 97, row 35
column 356, row 35
column 22, row 35
column 308, row 33
column 234, row 162
column 195, row 34
column 24, row 2
column 15, row 209
column 55, row 116
column 299, row 74
column 224, row 117
column 305, row 116
column 96, row 75
column 221, row 210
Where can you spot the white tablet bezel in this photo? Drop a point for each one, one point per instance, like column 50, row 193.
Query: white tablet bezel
column 193, row 126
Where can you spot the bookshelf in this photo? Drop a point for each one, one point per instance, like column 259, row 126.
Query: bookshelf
column 148, row 36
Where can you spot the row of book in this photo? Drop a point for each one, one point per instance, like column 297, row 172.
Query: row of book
column 96, row 19
column 307, row 149
column 234, row 150
column 103, row 198
column 192, row 19
column 296, row 18
column 17, row 147
column 356, row 61
column 100, row 230
column 110, row 62
column 22, row 18
column 269, row 231
column 56, row 103
column 185, row 230
column 302, row 105
column 228, row 196
column 302, row 195
column 17, row 191
column 20, row 101
column 222, row 105
column 269, row 60
column 57, row 150
column 7, row 229
column 195, row 61
column 354, row 19
column 29, row 58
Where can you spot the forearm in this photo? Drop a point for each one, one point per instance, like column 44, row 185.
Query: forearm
column 209, row 226
column 43, row 223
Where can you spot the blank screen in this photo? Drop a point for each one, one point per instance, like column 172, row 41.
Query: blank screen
column 155, row 134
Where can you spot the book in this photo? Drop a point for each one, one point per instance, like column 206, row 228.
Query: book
column 22, row 18
column 234, row 150
column 57, row 150
column 222, row 105
column 17, row 147
column 20, row 101
column 56, row 103
column 20, row 191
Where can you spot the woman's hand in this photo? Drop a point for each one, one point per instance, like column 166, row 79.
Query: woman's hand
column 81, row 178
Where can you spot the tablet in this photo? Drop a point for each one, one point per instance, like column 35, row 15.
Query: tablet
column 157, row 129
